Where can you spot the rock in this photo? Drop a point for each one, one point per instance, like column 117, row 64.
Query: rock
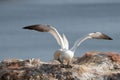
column 91, row 66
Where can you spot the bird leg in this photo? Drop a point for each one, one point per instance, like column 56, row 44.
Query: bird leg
column 68, row 64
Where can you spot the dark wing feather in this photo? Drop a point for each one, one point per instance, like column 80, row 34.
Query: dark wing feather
column 39, row 27
column 99, row 35
column 104, row 36
column 47, row 28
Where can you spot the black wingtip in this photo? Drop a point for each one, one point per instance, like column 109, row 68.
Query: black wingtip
column 107, row 37
column 25, row 28
column 28, row 27
column 110, row 38
column 31, row 26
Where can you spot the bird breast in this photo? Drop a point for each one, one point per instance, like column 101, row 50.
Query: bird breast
column 64, row 54
column 67, row 54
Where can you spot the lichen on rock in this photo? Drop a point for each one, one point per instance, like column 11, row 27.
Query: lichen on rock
column 91, row 66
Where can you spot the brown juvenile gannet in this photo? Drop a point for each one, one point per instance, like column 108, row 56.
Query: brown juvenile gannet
column 64, row 53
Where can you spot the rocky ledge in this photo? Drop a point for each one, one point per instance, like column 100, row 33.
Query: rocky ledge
column 91, row 66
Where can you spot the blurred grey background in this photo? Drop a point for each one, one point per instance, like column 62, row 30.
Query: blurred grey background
column 74, row 18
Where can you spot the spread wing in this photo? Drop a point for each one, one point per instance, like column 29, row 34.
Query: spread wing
column 95, row 35
column 66, row 42
column 49, row 29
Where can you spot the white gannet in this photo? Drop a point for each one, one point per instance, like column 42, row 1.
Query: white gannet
column 64, row 53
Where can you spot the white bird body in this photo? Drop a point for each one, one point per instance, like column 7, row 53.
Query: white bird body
column 64, row 53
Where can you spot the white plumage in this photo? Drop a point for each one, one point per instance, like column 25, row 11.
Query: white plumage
column 64, row 53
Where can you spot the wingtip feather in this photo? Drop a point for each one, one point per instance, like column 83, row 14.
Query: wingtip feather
column 30, row 27
column 25, row 28
column 110, row 38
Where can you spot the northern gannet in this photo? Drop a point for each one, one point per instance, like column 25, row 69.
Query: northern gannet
column 64, row 53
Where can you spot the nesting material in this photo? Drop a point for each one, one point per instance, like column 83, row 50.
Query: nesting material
column 91, row 66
